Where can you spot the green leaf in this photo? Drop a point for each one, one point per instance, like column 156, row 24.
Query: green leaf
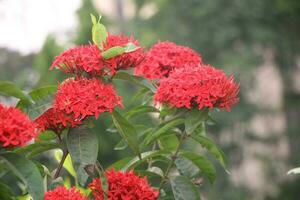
column 10, row 89
column 130, row 47
column 121, row 145
column 46, row 136
column 144, row 157
column 83, row 148
column 162, row 130
column 184, row 189
column 212, row 148
column 94, row 19
column 186, row 167
column 168, row 142
column 194, row 119
column 202, row 163
column 5, row 192
column 25, row 170
column 136, row 80
column 140, row 110
column 127, row 131
column 156, row 170
column 113, row 52
column 42, row 97
column 120, row 163
column 99, row 32
column 37, row 148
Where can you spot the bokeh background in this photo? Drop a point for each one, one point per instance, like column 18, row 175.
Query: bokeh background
column 258, row 41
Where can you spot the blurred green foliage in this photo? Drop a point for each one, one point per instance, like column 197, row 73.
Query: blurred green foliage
column 228, row 34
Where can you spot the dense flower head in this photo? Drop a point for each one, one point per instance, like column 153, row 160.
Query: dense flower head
column 56, row 121
column 16, row 129
column 164, row 57
column 85, row 97
column 80, row 59
column 126, row 60
column 62, row 193
column 202, row 87
column 88, row 58
column 123, row 186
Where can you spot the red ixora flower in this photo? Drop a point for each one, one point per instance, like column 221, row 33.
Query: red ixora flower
column 16, row 129
column 85, row 97
column 56, row 121
column 80, row 59
column 88, row 58
column 62, row 193
column 201, row 86
column 123, row 186
column 126, row 60
column 164, row 57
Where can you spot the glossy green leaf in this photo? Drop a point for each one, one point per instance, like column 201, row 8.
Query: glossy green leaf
column 194, row 119
column 82, row 144
column 43, row 99
column 37, row 148
column 10, row 89
column 94, row 19
column 162, row 130
column 127, row 131
column 184, row 189
column 144, row 157
column 99, row 32
column 202, row 163
column 120, row 163
column 121, row 145
column 186, row 167
column 27, row 172
column 168, row 142
column 130, row 47
column 212, row 148
column 136, row 80
column 140, row 110
column 113, row 52
column 46, row 136
column 5, row 192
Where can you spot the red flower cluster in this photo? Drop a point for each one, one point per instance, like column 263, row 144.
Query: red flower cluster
column 56, row 121
column 164, row 57
column 202, row 86
column 125, row 186
column 125, row 60
column 16, row 129
column 88, row 58
column 62, row 193
column 85, row 97
column 80, row 59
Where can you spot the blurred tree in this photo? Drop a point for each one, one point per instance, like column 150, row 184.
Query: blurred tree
column 43, row 60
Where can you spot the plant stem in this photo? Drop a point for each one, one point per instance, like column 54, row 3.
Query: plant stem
column 61, row 163
column 173, row 158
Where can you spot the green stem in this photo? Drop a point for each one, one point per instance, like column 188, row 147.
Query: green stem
column 61, row 163
column 173, row 158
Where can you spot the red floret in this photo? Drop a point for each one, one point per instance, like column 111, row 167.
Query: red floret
column 86, row 97
column 56, row 121
column 62, row 193
column 16, row 129
column 164, row 57
column 123, row 186
column 80, row 59
column 202, row 87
